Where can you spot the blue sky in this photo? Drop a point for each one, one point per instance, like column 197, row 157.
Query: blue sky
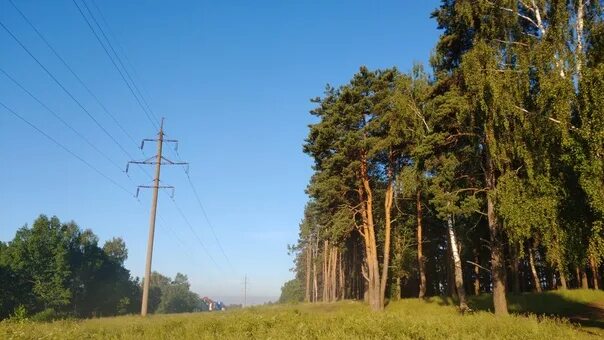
column 233, row 80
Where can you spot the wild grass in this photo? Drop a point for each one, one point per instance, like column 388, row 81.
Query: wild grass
column 435, row 318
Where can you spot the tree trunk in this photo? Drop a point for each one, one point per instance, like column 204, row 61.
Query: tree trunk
column 579, row 35
column 315, row 284
column 515, row 268
column 388, row 199
column 563, row 282
column 553, row 281
column 325, row 272
column 461, row 293
column 595, row 276
column 308, row 270
column 342, row 285
column 451, row 290
column 370, row 260
column 354, row 282
column 373, row 274
column 535, row 275
column 334, row 277
column 398, row 292
column 421, row 261
column 476, row 274
column 497, row 257
column 584, row 282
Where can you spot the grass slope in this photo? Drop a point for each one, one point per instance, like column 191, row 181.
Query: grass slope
column 435, row 318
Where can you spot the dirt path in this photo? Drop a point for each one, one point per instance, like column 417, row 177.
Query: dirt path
column 596, row 311
column 591, row 320
column 593, row 312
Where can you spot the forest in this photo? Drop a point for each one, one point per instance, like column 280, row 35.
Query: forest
column 482, row 174
column 54, row 270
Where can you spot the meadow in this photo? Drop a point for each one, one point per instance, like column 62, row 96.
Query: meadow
column 573, row 314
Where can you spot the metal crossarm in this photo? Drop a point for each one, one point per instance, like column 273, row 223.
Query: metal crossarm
column 153, row 187
column 153, row 161
column 175, row 141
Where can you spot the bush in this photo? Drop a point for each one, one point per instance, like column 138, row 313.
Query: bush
column 19, row 315
column 46, row 315
column 123, row 305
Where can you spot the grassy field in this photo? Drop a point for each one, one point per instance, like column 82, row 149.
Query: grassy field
column 436, row 318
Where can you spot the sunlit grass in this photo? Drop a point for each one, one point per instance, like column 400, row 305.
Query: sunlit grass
column 435, row 318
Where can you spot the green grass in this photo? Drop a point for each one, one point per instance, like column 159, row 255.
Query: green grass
column 435, row 318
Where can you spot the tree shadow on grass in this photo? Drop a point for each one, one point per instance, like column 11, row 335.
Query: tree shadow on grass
column 442, row 300
column 547, row 304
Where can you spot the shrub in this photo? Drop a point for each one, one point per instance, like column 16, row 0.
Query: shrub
column 46, row 315
column 19, row 315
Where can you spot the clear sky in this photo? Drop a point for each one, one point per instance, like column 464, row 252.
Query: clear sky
column 233, row 80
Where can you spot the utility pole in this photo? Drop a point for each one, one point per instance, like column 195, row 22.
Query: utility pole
column 158, row 160
column 245, row 291
column 146, row 283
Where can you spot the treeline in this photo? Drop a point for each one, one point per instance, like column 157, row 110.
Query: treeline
column 53, row 270
column 173, row 296
column 486, row 175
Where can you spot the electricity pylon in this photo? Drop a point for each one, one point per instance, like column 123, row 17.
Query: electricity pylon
column 158, row 160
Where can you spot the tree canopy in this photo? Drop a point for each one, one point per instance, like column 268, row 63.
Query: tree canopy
column 488, row 172
column 53, row 269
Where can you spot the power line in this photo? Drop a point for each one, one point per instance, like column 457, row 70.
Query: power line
column 208, row 220
column 182, row 214
column 69, row 94
column 164, row 224
column 117, row 57
column 161, row 160
column 72, row 97
column 151, row 120
column 137, row 91
column 112, row 35
column 69, row 126
column 205, row 249
column 57, row 116
column 39, row 130
column 158, row 160
column 149, row 108
column 148, row 111
column 65, row 90
column 49, row 137
column 205, row 215
column 66, row 149
column 116, row 54
column 54, row 51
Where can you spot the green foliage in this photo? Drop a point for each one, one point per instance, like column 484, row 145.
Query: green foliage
column 20, row 314
column 292, row 291
column 123, row 306
column 172, row 296
column 526, row 210
column 116, row 249
column 404, row 252
column 506, row 139
column 55, row 268
column 46, row 315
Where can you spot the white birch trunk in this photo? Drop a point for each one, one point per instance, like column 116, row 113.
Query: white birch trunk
column 463, row 305
column 579, row 29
